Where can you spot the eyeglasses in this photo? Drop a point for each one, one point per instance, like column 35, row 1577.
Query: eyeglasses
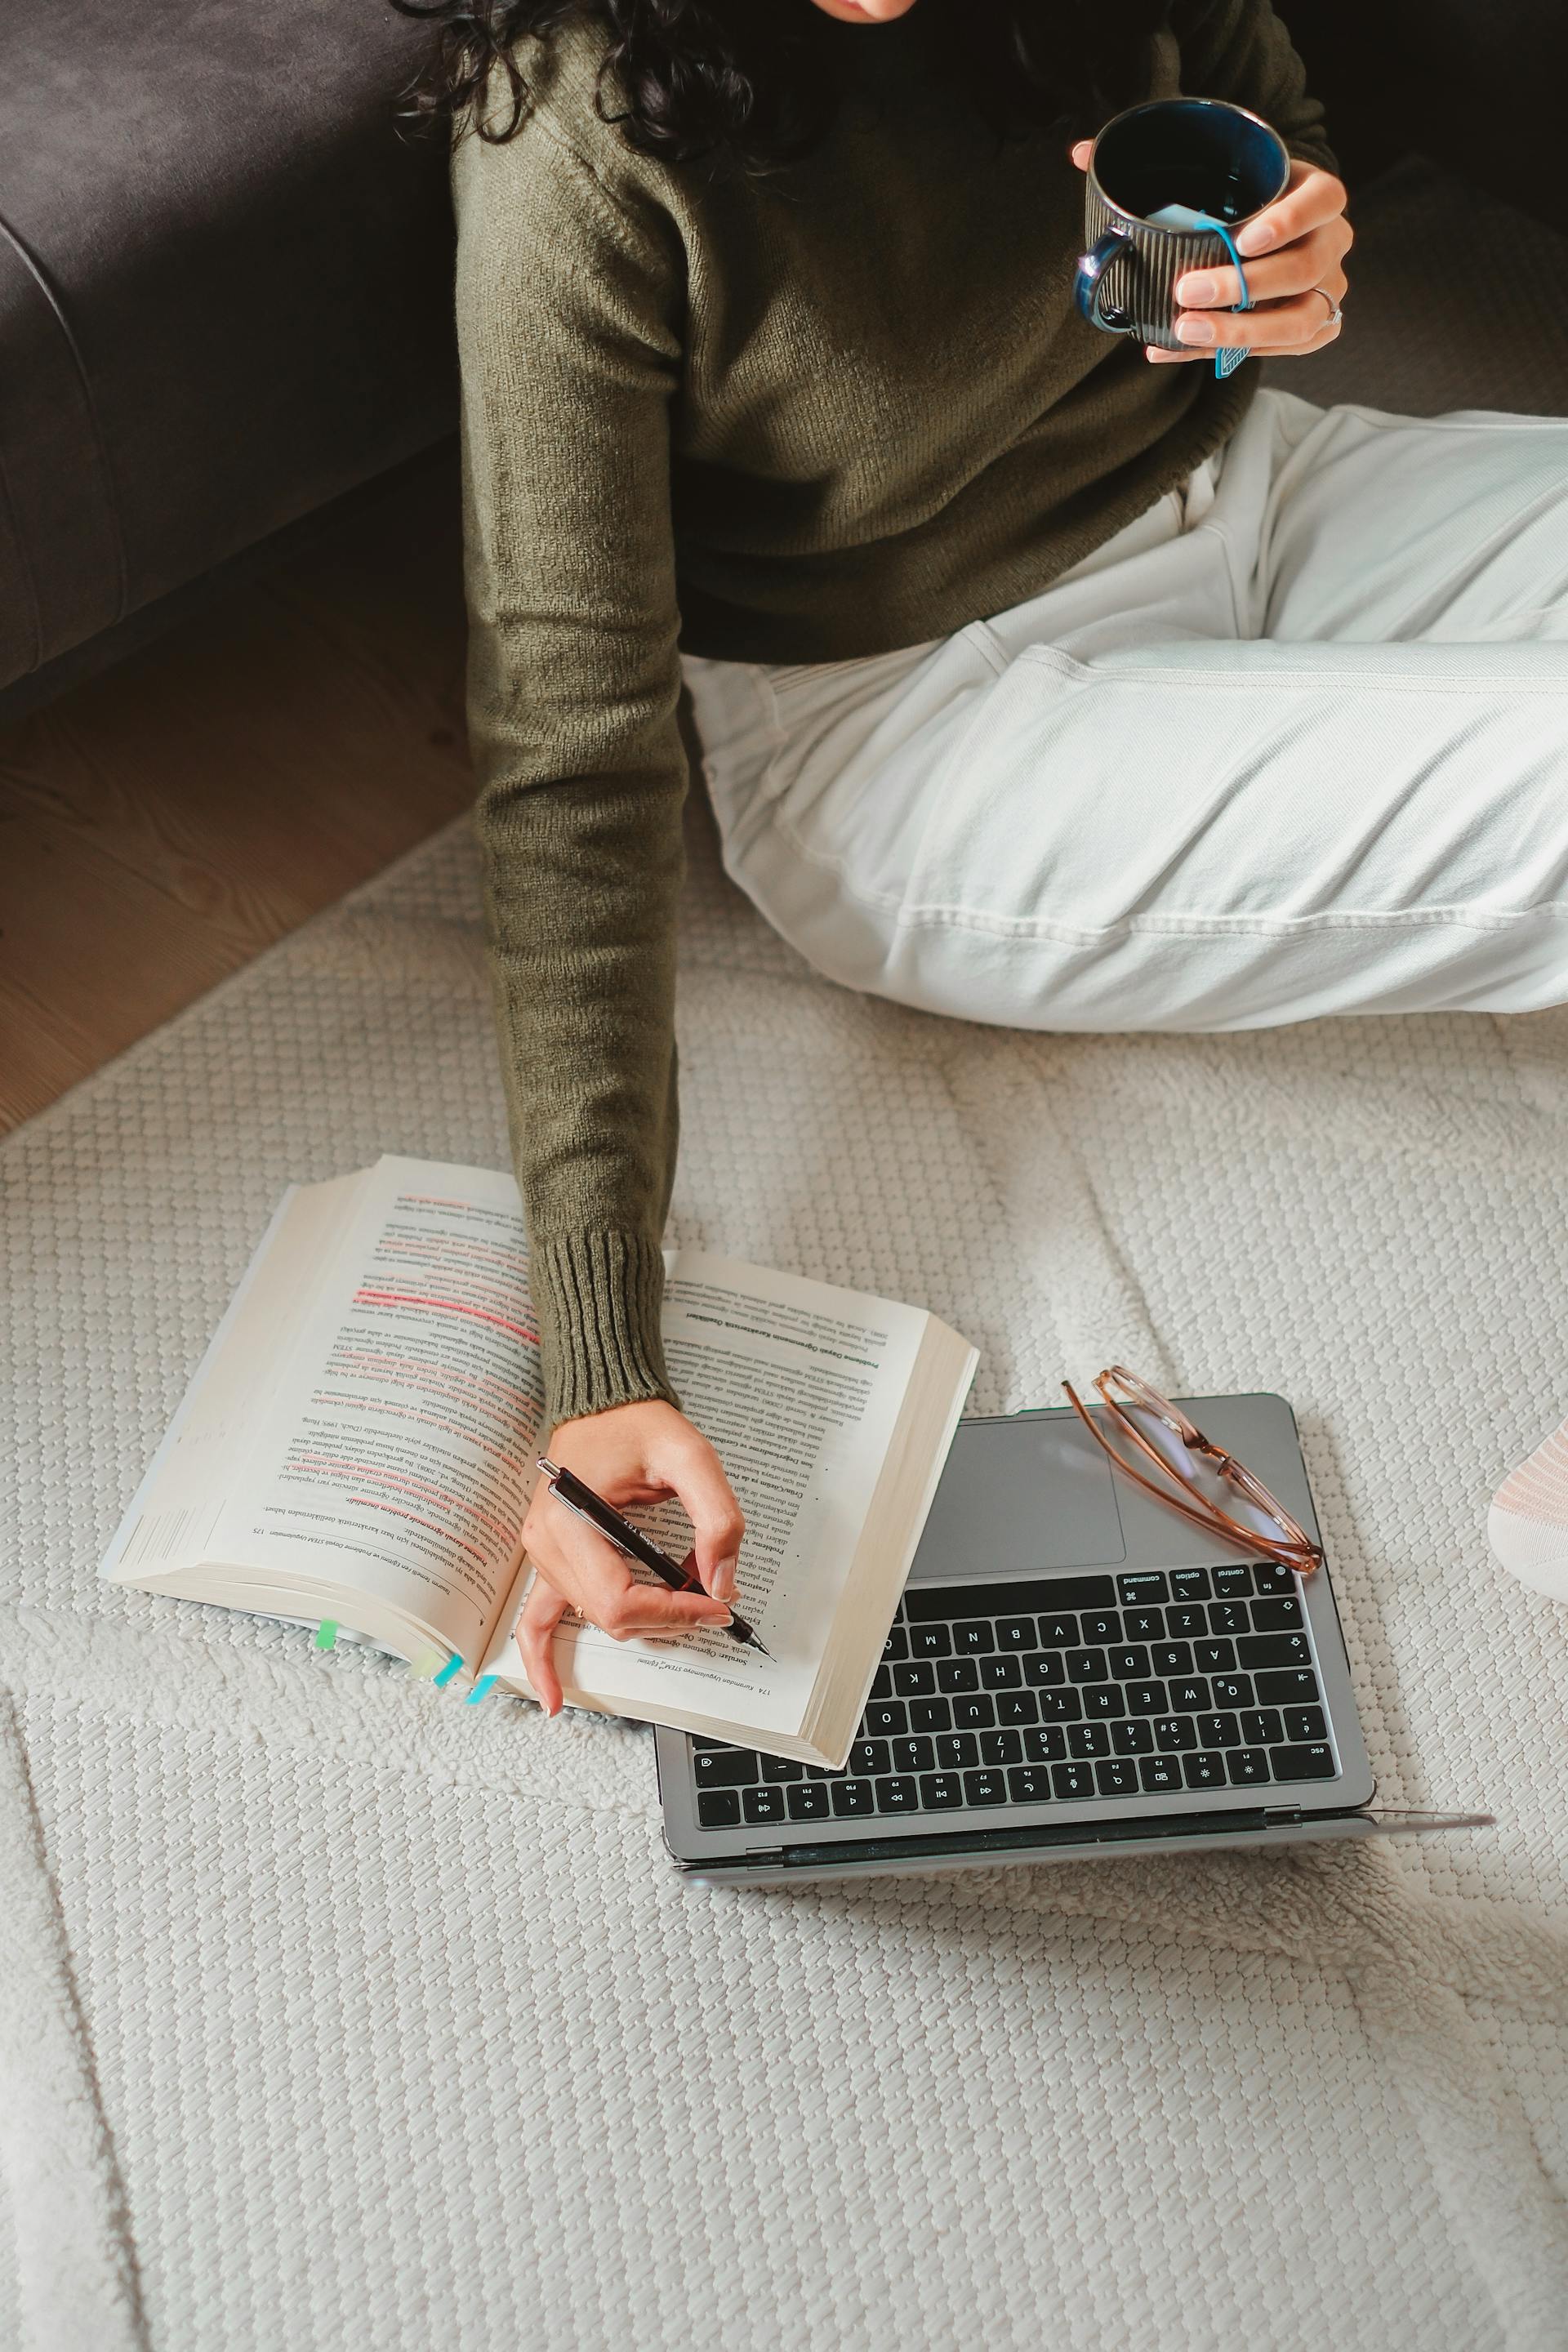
column 1122, row 1394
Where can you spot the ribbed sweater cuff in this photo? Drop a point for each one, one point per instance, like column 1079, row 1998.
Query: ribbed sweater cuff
column 598, row 1297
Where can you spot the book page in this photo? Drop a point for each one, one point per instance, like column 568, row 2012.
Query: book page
column 395, row 1454
column 797, row 1386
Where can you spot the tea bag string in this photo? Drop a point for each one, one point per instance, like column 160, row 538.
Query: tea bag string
column 1227, row 361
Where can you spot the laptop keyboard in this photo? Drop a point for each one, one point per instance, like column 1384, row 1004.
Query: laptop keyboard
column 1058, row 1689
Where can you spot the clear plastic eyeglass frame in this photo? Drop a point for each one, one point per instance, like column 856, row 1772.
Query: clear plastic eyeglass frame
column 1119, row 1389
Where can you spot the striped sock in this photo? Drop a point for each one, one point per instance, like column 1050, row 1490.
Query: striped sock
column 1527, row 1526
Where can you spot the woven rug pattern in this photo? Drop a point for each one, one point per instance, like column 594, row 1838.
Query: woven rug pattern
column 334, row 2012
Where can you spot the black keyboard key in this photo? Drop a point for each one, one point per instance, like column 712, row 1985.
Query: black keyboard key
column 853, row 1799
column 1018, row 1706
column 1144, row 1698
column 881, row 1683
column 1273, row 1576
column 916, row 1680
column 898, row 1795
column 1044, row 1669
column 1030, row 1785
column 1140, row 1585
column 1228, row 1617
column 884, row 1718
column 1072, row 1779
column 764, row 1804
column 869, row 1756
column 1188, row 1625
column 1132, row 1738
column 782, row 1767
column 725, row 1768
column 719, row 1808
column 1160, row 1773
column 1247, row 1767
column 984, row 1789
column 976, row 1714
column 1013, row 1596
column 1172, row 1657
column 1314, row 1762
column 974, row 1638
column 1102, row 1701
column 1131, row 1665
column 897, row 1644
column 957, row 1751
column 1143, row 1624
column 957, row 1674
column 1087, row 1666
column 1297, row 1687
column 930, row 1715
column 1192, row 1696
column 1060, row 1706
column 1305, row 1723
column 1274, row 1650
column 701, row 1746
column 1213, row 1657
column 1219, row 1731
column 1203, row 1771
column 1001, row 1673
column 1189, row 1584
column 1119, row 1778
column 807, row 1800
column 1232, row 1690
column 1277, row 1614
column 1088, row 1739
column 1099, row 1625
column 1057, row 1633
column 913, row 1756
column 1261, row 1726
column 1231, row 1583
column 941, row 1792
column 1046, row 1745
column 1174, row 1732
column 1000, row 1747
column 1016, row 1633
column 929, row 1642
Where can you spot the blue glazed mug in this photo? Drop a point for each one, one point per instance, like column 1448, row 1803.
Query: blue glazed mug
column 1168, row 185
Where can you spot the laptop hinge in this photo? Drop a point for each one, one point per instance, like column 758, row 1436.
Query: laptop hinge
column 1275, row 1816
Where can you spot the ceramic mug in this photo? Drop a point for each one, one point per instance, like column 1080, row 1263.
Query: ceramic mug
column 1168, row 185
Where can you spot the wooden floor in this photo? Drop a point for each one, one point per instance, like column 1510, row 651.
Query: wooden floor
column 162, row 825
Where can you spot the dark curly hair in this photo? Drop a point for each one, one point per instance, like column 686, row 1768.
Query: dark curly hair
column 737, row 84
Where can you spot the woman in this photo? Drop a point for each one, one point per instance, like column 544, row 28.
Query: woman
column 1040, row 680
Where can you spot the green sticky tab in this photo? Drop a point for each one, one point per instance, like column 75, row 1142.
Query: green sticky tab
column 326, row 1634
column 453, row 1666
column 425, row 1666
column 486, row 1682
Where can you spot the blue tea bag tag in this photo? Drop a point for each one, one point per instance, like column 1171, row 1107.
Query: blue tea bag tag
column 1226, row 363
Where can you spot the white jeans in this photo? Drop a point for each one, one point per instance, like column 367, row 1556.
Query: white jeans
column 1295, row 742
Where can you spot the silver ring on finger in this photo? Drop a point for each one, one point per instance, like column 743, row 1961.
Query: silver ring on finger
column 1335, row 314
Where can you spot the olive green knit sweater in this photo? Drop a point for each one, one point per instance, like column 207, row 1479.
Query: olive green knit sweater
column 847, row 407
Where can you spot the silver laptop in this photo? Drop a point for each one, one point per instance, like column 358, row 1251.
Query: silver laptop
column 1074, row 1670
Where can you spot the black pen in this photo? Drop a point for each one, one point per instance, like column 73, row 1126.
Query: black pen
column 569, row 1489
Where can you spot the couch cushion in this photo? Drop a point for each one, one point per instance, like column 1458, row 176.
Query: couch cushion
column 224, row 290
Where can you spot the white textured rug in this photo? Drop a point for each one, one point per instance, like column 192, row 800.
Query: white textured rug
column 333, row 2013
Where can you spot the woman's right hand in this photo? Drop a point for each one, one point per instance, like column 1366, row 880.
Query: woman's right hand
column 632, row 1453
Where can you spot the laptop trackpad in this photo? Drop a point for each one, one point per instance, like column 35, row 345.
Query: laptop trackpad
column 1031, row 1493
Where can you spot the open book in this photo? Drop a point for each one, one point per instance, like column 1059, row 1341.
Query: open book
column 358, row 1447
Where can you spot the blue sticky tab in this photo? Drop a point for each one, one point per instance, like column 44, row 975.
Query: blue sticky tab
column 486, row 1682
column 453, row 1666
column 326, row 1634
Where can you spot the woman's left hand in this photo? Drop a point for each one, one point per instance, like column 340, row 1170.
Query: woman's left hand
column 1297, row 282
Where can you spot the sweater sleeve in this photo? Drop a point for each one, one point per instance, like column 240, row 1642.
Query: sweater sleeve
column 1240, row 49
column 568, row 321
